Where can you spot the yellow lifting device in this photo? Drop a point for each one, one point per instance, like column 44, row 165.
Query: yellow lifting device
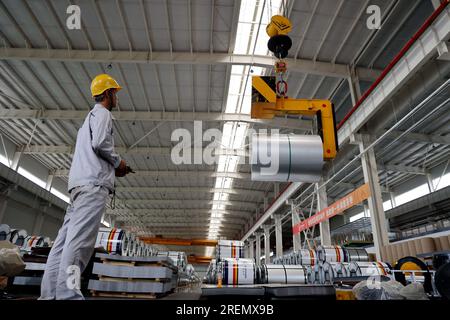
column 269, row 93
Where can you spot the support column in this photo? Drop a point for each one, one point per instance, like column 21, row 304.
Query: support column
column 392, row 197
column 16, row 160
column 267, row 243
column 366, row 210
column 278, row 235
column 276, row 189
column 37, row 226
column 296, row 239
column 322, row 203
column 375, row 201
column 258, row 247
column 266, row 203
column 49, row 183
column 3, row 206
column 353, row 83
column 251, row 250
column 430, row 183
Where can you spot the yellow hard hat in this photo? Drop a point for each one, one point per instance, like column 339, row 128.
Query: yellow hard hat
column 103, row 82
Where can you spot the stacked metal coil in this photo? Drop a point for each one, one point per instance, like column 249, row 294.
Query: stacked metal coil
column 341, row 254
column 17, row 236
column 114, row 241
column 178, row 257
column 32, row 242
column 356, row 255
column 229, row 249
column 282, row 274
column 326, row 272
column 5, row 231
column 306, row 257
column 330, row 254
column 377, row 268
column 237, row 271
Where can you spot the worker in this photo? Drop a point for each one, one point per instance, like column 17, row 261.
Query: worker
column 91, row 180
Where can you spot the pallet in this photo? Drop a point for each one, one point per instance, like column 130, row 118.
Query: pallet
column 105, row 278
column 137, row 261
column 126, row 295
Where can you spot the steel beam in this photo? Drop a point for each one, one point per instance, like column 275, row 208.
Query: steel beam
column 422, row 50
column 163, row 151
column 177, row 174
column 163, row 57
column 187, row 213
column 178, row 190
column 80, row 115
column 184, row 202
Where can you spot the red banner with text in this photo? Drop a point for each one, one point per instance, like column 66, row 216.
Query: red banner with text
column 353, row 198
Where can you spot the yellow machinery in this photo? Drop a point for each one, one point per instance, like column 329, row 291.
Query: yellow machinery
column 269, row 94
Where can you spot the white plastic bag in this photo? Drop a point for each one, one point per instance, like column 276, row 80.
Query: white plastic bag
column 414, row 291
column 376, row 290
column 11, row 264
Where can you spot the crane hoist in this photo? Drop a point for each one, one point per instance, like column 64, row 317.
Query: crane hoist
column 269, row 93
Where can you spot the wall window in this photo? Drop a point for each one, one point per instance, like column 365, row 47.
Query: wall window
column 439, row 183
column 412, row 194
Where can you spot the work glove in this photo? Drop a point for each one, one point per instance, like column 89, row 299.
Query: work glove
column 121, row 170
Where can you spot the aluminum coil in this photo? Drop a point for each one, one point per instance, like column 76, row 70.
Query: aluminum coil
column 32, row 242
column 356, row 254
column 340, row 269
column 296, row 158
column 283, row 274
column 17, row 236
column 47, row 242
column 357, row 269
column 114, row 241
column 5, row 231
column 306, row 257
column 238, row 271
column 330, row 254
column 229, row 249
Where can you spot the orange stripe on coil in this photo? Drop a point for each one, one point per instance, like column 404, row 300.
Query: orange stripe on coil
column 338, row 254
column 380, row 266
column 110, row 239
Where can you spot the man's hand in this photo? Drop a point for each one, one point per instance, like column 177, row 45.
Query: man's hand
column 121, row 170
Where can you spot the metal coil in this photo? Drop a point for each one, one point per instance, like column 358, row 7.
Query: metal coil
column 368, row 269
column 283, row 274
column 306, row 257
column 297, row 158
column 356, row 254
column 32, row 242
column 5, row 231
column 340, row 269
column 238, row 271
column 17, row 236
column 113, row 241
column 326, row 272
column 330, row 254
column 229, row 249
